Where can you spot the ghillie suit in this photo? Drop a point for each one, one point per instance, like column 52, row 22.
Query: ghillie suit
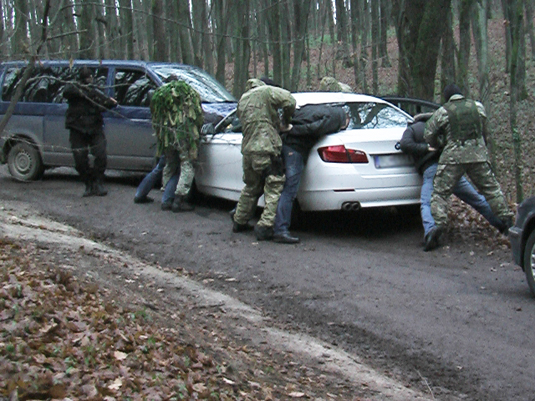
column 177, row 118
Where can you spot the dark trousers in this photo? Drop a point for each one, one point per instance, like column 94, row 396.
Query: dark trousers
column 83, row 144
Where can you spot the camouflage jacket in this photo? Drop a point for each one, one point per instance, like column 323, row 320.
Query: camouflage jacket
column 258, row 111
column 459, row 128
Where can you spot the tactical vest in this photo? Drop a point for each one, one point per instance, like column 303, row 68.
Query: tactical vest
column 464, row 119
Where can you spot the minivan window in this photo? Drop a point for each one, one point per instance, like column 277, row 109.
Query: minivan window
column 133, row 88
column 46, row 83
column 210, row 90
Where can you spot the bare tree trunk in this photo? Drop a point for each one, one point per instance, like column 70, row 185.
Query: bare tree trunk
column 354, row 43
column 448, row 75
column 529, row 26
column 112, row 33
column 88, row 34
column 20, row 43
column 517, row 87
column 464, row 45
column 386, row 9
column 286, row 22
column 479, row 28
column 127, row 28
column 342, row 33
column 184, row 31
column 420, row 28
column 221, row 26
column 3, row 47
column 68, row 43
column 101, row 42
column 375, row 46
column 143, row 30
column 364, row 33
column 204, row 51
column 330, row 25
column 319, row 75
column 274, row 31
column 243, row 48
column 173, row 40
column 301, row 9
column 508, row 38
column 159, row 52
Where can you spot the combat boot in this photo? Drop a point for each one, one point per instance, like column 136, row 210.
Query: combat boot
column 263, row 233
column 506, row 224
column 432, row 239
column 180, row 205
column 88, row 189
column 98, row 188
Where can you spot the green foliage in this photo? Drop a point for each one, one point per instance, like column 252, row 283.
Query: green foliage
column 176, row 115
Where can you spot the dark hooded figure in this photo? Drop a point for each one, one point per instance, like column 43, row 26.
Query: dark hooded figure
column 86, row 125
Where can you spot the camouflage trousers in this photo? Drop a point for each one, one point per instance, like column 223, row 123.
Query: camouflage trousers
column 259, row 180
column 482, row 177
column 177, row 160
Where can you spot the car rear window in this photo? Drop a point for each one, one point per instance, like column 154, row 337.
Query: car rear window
column 371, row 115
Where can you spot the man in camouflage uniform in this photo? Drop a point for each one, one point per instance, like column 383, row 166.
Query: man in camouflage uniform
column 263, row 172
column 459, row 128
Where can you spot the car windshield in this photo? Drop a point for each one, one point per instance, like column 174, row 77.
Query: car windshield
column 210, row 90
column 371, row 115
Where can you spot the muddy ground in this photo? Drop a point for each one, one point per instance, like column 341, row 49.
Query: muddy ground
column 449, row 324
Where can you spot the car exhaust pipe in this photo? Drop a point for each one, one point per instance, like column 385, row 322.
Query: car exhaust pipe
column 350, row 206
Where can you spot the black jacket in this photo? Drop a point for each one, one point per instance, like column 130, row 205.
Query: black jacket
column 86, row 104
column 310, row 123
column 413, row 143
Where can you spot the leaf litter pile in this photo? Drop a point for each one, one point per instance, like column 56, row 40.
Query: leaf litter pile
column 62, row 338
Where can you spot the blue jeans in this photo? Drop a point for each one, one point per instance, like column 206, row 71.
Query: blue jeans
column 293, row 166
column 154, row 178
column 463, row 190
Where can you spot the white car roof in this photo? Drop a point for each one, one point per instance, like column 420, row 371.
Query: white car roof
column 304, row 98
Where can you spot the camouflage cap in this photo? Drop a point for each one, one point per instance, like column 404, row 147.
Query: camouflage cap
column 330, row 84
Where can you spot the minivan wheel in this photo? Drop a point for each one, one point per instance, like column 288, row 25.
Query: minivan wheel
column 24, row 162
column 529, row 262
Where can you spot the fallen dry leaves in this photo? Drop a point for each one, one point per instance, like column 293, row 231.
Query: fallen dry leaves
column 63, row 338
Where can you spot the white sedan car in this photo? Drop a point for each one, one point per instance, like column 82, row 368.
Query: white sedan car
column 359, row 167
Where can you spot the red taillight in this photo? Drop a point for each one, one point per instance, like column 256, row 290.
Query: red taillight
column 339, row 154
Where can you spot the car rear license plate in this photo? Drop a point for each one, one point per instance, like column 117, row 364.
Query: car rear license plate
column 396, row 160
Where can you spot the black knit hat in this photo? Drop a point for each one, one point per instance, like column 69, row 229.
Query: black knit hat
column 451, row 90
column 85, row 73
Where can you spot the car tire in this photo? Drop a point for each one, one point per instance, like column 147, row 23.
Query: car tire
column 24, row 162
column 529, row 262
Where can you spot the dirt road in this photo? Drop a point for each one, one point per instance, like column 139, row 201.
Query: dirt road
column 450, row 324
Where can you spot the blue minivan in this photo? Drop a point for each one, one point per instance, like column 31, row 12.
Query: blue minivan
column 35, row 137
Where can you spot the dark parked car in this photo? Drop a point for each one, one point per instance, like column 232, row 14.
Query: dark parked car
column 412, row 106
column 522, row 237
column 35, row 137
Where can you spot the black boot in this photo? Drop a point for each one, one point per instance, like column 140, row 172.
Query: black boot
column 263, row 233
column 98, row 188
column 180, row 204
column 88, row 189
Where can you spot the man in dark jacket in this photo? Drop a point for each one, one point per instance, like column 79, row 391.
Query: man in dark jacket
column 426, row 161
column 86, row 125
column 309, row 123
